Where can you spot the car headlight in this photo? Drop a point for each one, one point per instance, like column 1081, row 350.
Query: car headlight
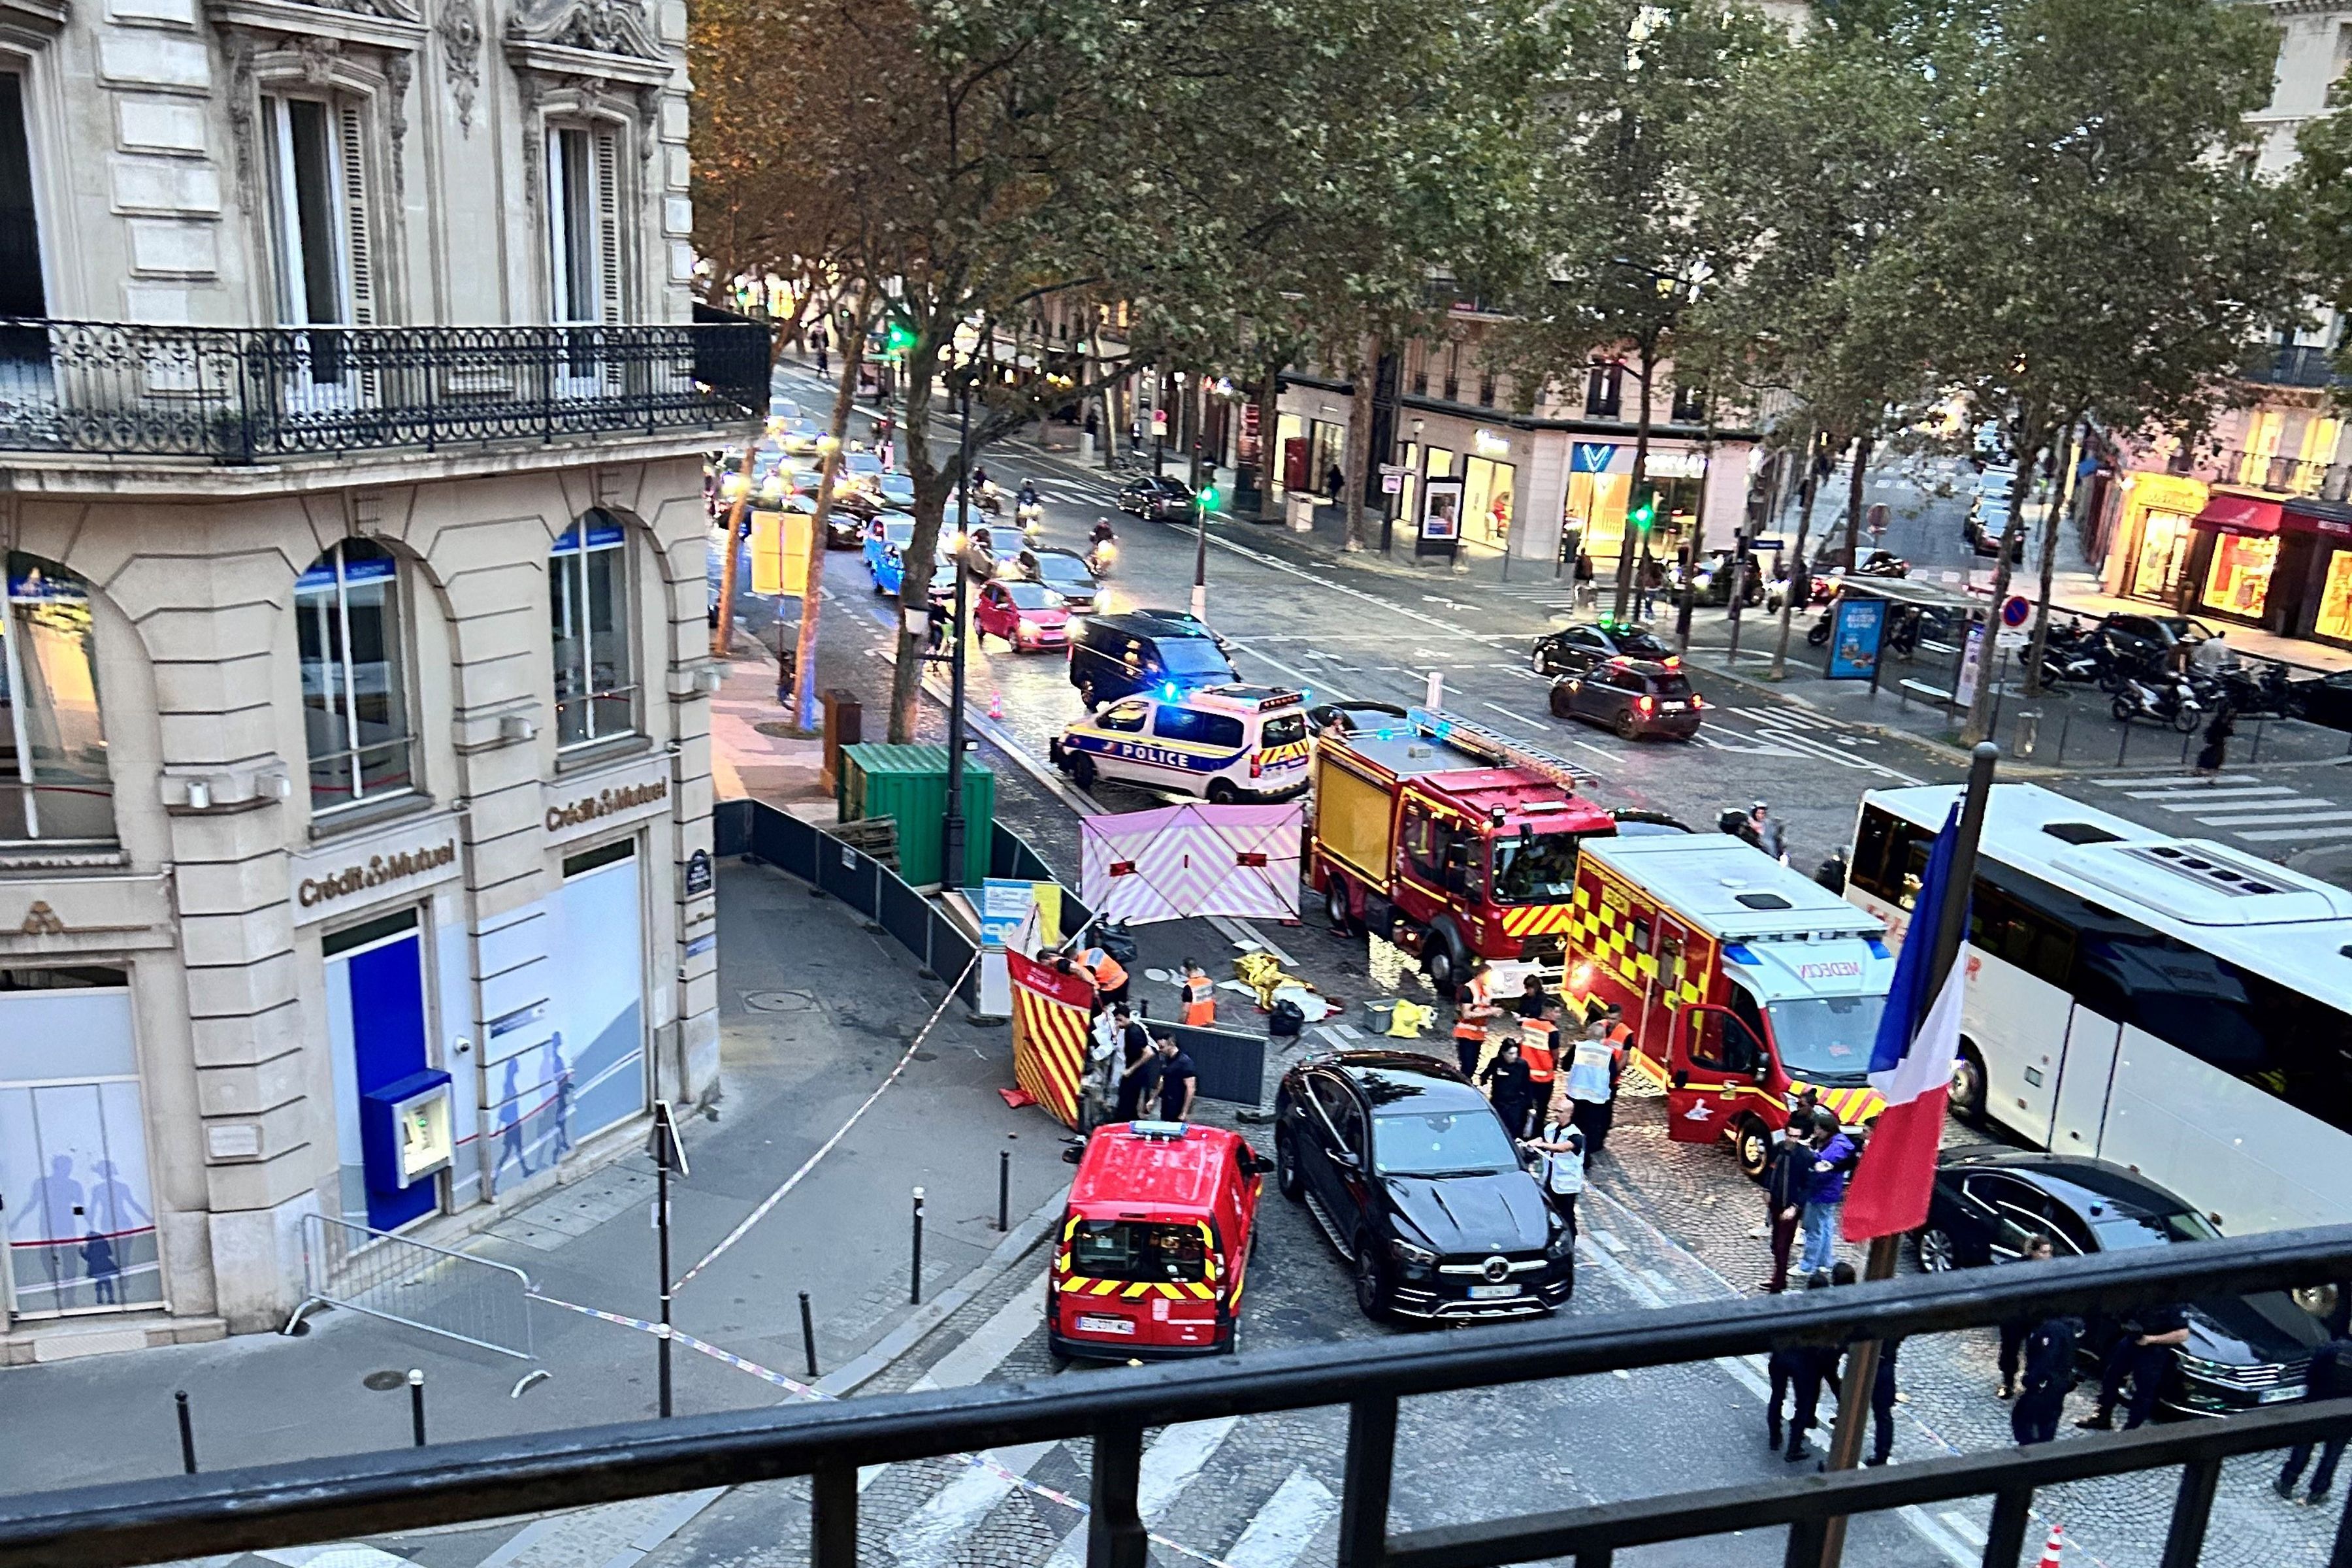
column 2211, row 1371
column 1562, row 1243
column 1407, row 1252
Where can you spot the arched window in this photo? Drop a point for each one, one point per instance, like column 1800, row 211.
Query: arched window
column 54, row 783
column 595, row 691
column 354, row 699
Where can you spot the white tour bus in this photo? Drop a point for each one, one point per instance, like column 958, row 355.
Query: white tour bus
column 2169, row 1004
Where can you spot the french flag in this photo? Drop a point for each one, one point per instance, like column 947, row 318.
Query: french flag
column 1911, row 1068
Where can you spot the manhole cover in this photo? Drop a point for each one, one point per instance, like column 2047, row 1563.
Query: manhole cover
column 385, row 1382
column 779, row 1001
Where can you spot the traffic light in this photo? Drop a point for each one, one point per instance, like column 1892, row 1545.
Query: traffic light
column 898, row 337
column 1645, row 514
column 1208, row 498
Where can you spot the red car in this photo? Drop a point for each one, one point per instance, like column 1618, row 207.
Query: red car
column 1027, row 616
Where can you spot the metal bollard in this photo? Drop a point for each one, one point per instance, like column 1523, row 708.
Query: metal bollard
column 187, row 1434
column 915, row 1278
column 2125, row 744
column 416, row 1404
column 1003, row 1190
column 808, row 1335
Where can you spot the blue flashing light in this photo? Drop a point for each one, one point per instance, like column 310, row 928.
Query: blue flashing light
column 1878, row 949
column 1168, row 692
column 1737, row 952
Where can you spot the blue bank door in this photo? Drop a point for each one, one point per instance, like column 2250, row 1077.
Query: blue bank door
column 376, row 1034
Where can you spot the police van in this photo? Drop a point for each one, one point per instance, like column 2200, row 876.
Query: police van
column 1227, row 743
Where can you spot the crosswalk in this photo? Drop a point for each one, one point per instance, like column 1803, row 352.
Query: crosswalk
column 2239, row 805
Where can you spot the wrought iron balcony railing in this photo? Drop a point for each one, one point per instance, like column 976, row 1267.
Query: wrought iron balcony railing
column 2283, row 476
column 252, row 395
column 293, row 1504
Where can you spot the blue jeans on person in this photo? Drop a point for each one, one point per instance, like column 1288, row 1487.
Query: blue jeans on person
column 1820, row 1225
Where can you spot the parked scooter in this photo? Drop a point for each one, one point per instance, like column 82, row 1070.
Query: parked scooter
column 2165, row 698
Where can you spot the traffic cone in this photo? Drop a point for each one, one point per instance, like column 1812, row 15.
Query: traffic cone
column 2053, row 1553
column 996, row 705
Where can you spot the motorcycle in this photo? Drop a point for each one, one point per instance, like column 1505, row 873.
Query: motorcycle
column 1101, row 553
column 989, row 497
column 1031, row 516
column 2167, row 700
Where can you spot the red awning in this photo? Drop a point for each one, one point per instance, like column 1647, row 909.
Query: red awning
column 2239, row 515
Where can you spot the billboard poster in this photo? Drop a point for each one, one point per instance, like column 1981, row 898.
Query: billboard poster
column 1854, row 635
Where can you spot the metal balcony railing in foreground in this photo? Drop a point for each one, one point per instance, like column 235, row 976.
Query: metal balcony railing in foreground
column 251, row 394
column 287, row 1505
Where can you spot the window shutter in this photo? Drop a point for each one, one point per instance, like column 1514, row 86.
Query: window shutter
column 352, row 145
column 608, row 227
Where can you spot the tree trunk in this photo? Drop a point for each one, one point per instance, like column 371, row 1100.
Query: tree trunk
column 1798, row 569
column 1359, row 436
column 1641, row 477
column 1196, row 393
column 2061, row 498
column 1269, row 449
column 1979, row 724
column 812, row 581
column 1107, row 444
column 1862, row 444
column 932, row 484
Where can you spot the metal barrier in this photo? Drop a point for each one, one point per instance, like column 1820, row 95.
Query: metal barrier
column 846, row 873
column 357, row 1497
column 1228, row 1065
column 908, row 917
column 470, row 1300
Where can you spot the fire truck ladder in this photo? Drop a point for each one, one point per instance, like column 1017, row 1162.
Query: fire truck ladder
column 1493, row 747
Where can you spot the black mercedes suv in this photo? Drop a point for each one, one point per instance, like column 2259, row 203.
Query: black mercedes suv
column 1410, row 1173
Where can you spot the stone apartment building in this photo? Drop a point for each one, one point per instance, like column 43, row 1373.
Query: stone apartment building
column 354, row 785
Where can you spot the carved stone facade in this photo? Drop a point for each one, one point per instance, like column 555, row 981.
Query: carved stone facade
column 352, row 164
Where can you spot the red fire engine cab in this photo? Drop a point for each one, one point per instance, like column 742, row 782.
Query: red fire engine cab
column 1743, row 981
column 1453, row 840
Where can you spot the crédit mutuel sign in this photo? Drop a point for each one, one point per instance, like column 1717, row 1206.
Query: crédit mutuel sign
column 575, row 808
column 375, row 872
column 606, row 803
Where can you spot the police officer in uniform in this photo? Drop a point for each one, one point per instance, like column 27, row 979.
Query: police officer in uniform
column 2049, row 1374
column 2144, row 1355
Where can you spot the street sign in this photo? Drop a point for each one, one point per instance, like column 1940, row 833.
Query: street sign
column 1398, row 468
column 662, row 1144
column 1393, row 484
column 2014, row 612
column 1159, row 421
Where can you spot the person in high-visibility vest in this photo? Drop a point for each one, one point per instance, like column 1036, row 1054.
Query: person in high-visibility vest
column 1537, row 1038
column 1200, row 998
column 1109, row 976
column 1470, row 1022
column 1592, row 1085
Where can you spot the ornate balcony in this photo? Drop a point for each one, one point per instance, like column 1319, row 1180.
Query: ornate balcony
column 265, row 394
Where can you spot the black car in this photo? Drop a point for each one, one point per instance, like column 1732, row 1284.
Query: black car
column 1162, row 497
column 1113, row 657
column 1711, row 579
column 2140, row 641
column 1579, row 649
column 1410, row 1173
column 2243, row 1351
column 1354, row 718
column 1633, row 696
column 1064, row 570
column 1635, row 822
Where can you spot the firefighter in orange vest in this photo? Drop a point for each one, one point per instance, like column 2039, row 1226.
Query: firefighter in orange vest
column 1537, row 1049
column 1470, row 1023
column 1109, row 976
column 1200, row 998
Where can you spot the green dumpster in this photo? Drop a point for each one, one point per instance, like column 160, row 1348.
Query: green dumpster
column 910, row 784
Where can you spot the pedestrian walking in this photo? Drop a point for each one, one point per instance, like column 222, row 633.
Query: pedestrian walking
column 1882, row 1403
column 2048, row 1373
column 1652, row 582
column 1586, row 594
column 823, row 342
column 1592, row 1085
column 1139, row 1069
column 1834, row 1156
column 1788, row 1172
column 1831, row 873
column 1768, row 836
column 1563, row 1151
column 1179, row 1080
column 2214, row 756
column 1335, row 482
column 2143, row 1355
column 2014, row 1331
column 1505, row 1082
column 2330, row 1378
column 1200, row 998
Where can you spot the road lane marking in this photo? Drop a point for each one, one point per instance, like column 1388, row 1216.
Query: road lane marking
column 2295, row 803
column 1172, row 1462
column 986, row 1349
column 1292, row 670
column 1508, row 713
column 2236, row 822
column 2288, row 835
column 1287, row 1525
column 2129, row 781
column 2209, row 794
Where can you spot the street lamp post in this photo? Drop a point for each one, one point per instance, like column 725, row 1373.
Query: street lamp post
column 951, row 829
column 1201, row 504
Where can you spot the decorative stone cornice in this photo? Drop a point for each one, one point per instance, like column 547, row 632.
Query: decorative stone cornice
column 608, row 39
column 394, row 25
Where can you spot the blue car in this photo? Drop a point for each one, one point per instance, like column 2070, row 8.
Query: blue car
column 885, row 540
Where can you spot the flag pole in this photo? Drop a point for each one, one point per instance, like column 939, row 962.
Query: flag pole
column 1951, row 926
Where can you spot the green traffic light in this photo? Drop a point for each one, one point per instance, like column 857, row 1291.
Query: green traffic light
column 1645, row 514
column 1209, row 496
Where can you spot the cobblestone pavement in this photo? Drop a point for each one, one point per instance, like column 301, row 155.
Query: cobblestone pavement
column 1691, row 1201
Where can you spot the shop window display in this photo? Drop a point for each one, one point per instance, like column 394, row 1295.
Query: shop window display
column 2335, row 617
column 2239, row 581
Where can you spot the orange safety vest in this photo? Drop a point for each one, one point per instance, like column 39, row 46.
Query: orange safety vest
column 1536, row 1041
column 1200, row 1003
column 1108, row 975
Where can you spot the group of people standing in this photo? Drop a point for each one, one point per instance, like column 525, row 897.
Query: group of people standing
column 1552, row 1080
column 1805, row 1179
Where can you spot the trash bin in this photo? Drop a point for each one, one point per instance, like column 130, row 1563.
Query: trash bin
column 1302, row 512
column 845, row 725
column 2029, row 731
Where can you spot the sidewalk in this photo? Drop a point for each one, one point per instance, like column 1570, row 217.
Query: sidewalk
column 814, row 1013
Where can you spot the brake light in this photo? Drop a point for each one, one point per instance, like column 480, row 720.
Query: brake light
column 1644, row 703
column 1673, row 663
column 1698, row 701
column 1257, row 765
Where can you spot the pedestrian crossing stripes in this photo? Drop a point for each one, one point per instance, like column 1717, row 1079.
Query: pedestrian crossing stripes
column 2239, row 806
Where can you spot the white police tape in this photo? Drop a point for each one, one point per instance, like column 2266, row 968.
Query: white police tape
column 794, row 1179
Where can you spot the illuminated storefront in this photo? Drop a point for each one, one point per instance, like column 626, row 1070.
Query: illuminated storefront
column 1489, row 485
column 2152, row 536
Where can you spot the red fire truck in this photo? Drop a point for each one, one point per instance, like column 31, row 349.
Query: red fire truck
column 1450, row 839
column 1742, row 981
